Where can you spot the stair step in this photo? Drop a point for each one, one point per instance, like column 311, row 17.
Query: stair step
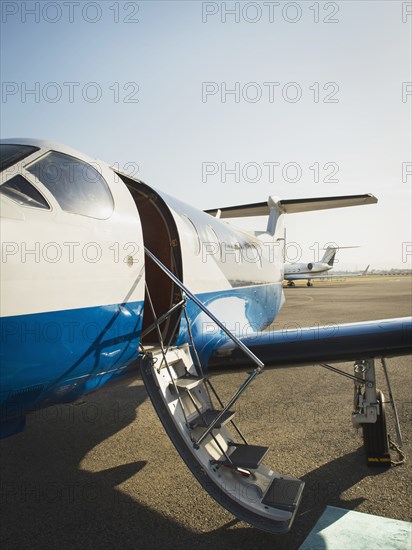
column 188, row 382
column 284, row 493
column 247, row 456
column 173, row 356
column 208, row 417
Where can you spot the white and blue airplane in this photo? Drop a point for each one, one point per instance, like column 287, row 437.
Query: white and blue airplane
column 102, row 274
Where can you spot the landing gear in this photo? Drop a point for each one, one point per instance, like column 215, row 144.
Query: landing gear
column 369, row 413
column 291, row 283
column 309, row 283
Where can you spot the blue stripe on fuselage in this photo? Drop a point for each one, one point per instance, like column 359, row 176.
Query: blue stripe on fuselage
column 242, row 310
column 58, row 356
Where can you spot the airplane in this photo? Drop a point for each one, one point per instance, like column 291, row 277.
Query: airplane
column 298, row 271
column 104, row 276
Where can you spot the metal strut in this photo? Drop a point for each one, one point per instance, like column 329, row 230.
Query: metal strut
column 368, row 411
column 393, row 403
column 162, row 318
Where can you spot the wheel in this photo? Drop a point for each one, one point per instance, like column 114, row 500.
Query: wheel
column 375, row 438
column 309, row 283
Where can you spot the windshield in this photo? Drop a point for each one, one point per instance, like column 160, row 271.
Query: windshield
column 76, row 185
column 11, row 153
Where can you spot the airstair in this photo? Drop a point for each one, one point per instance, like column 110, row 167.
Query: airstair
column 204, row 431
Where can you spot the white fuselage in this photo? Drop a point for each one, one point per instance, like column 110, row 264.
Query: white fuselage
column 73, row 287
column 304, row 271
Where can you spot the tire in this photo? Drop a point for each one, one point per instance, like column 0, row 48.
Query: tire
column 375, row 438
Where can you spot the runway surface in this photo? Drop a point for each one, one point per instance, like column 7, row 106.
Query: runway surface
column 103, row 474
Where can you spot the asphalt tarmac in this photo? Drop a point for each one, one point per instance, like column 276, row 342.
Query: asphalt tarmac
column 103, row 474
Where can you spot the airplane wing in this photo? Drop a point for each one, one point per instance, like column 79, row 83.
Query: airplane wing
column 330, row 343
column 351, row 274
column 291, row 206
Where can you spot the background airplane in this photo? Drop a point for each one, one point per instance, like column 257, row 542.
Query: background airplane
column 298, row 271
column 102, row 273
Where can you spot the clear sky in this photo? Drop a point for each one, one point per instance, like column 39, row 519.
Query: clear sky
column 222, row 103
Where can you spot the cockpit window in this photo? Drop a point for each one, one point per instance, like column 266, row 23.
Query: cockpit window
column 10, row 154
column 77, row 186
column 23, row 192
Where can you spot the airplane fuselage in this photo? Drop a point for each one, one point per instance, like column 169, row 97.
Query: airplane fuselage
column 74, row 275
column 298, row 271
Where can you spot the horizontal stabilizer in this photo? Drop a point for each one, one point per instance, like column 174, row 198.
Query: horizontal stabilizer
column 291, row 206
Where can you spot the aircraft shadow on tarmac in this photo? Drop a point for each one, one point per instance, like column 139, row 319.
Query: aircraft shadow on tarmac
column 315, row 287
column 48, row 501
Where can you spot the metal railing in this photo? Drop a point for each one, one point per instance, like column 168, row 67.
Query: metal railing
column 260, row 366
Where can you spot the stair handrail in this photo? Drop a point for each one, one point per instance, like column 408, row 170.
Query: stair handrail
column 179, row 283
column 239, row 343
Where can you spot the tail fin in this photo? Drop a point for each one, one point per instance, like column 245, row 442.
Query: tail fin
column 329, row 256
column 366, row 270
